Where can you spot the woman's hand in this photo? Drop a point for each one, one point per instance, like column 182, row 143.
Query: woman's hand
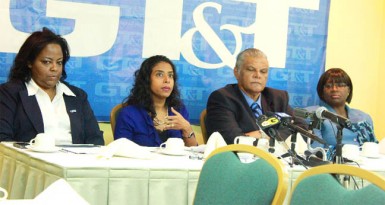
column 177, row 122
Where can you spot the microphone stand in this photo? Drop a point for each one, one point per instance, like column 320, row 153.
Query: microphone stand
column 315, row 124
column 296, row 129
column 344, row 180
column 339, row 145
column 290, row 151
column 271, row 145
column 293, row 141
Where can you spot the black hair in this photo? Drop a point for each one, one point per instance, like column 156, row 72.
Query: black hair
column 140, row 93
column 335, row 75
column 31, row 48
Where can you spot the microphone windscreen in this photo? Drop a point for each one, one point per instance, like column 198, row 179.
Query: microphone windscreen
column 319, row 112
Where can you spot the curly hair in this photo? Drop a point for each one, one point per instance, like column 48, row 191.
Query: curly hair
column 336, row 75
column 31, row 48
column 140, row 93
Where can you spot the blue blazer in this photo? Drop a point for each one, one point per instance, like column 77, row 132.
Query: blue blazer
column 328, row 130
column 135, row 124
column 21, row 118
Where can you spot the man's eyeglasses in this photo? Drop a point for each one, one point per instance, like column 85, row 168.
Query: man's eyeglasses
column 338, row 85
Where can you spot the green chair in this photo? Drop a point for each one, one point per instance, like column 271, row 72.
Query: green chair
column 317, row 186
column 224, row 179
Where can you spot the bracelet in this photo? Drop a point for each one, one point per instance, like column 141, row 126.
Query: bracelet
column 191, row 135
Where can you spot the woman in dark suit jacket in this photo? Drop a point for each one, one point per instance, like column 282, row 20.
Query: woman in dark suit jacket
column 35, row 99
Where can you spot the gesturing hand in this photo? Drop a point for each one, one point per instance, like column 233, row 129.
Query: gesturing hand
column 177, row 122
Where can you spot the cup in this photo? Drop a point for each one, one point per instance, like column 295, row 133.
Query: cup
column 173, row 145
column 244, row 140
column 351, row 151
column 43, row 141
column 370, row 149
column 3, row 194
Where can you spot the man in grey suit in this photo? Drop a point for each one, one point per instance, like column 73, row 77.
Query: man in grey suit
column 233, row 109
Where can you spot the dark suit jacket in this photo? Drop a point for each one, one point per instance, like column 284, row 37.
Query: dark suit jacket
column 229, row 114
column 21, row 118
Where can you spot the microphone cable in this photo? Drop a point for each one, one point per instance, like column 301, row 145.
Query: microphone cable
column 345, row 180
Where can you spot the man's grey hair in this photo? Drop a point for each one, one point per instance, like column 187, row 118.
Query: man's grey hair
column 248, row 52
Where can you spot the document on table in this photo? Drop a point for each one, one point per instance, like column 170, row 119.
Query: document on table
column 80, row 148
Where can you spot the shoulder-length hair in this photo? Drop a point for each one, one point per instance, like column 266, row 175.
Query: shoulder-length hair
column 31, row 48
column 335, row 75
column 140, row 93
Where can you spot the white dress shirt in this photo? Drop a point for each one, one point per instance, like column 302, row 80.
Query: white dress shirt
column 55, row 118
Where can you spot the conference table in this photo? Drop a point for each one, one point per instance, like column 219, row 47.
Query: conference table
column 163, row 179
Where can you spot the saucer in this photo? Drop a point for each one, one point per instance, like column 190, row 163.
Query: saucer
column 39, row 149
column 371, row 156
column 180, row 153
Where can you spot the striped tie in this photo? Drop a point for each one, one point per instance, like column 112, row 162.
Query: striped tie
column 256, row 109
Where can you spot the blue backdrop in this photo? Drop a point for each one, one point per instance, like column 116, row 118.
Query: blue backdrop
column 110, row 38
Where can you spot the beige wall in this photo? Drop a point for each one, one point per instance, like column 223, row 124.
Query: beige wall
column 356, row 43
column 380, row 121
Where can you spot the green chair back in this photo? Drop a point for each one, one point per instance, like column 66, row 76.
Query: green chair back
column 320, row 187
column 224, row 179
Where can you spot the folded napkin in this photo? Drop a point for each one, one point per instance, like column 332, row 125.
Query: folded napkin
column 300, row 145
column 215, row 141
column 125, row 148
column 59, row 192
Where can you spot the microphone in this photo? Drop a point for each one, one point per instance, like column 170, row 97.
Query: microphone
column 286, row 121
column 303, row 113
column 323, row 113
column 269, row 125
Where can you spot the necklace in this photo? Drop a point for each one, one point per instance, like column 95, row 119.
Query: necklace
column 158, row 122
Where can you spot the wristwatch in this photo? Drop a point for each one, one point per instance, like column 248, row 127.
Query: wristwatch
column 191, row 134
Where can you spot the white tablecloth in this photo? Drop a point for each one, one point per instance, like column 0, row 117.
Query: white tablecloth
column 161, row 180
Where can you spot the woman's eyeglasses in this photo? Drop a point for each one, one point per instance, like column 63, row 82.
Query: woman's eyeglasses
column 338, row 85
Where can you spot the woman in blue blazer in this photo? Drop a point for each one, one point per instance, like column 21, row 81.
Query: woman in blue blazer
column 335, row 89
column 153, row 111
